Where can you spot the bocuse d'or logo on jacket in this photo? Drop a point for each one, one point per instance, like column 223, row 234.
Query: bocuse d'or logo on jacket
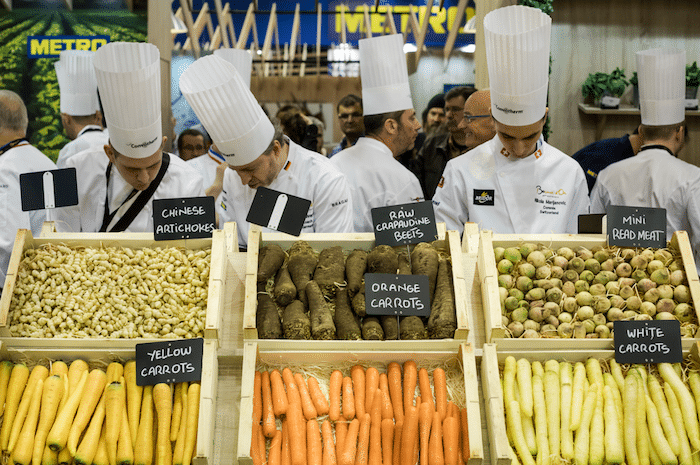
column 483, row 197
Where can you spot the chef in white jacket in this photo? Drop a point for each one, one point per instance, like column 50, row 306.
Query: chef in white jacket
column 516, row 182
column 80, row 108
column 655, row 177
column 118, row 182
column 17, row 156
column 259, row 154
column 376, row 178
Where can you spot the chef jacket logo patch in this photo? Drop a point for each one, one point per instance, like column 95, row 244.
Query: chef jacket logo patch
column 442, row 181
column 538, row 154
column 504, row 152
column 484, row 197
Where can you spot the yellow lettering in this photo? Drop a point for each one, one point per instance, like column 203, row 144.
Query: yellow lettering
column 378, row 20
column 452, row 18
column 56, row 46
column 69, row 43
column 402, row 10
column 97, row 43
column 353, row 21
column 437, row 20
column 82, row 44
column 39, row 47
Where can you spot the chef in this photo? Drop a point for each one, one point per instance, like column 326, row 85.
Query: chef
column 259, row 154
column 516, row 182
column 80, row 108
column 376, row 178
column 655, row 177
column 17, row 156
column 118, row 182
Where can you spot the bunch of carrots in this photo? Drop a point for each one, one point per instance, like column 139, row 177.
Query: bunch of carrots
column 369, row 418
column 66, row 415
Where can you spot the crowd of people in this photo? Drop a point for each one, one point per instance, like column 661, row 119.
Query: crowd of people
column 479, row 155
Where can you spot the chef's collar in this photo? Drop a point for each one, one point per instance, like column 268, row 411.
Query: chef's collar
column 12, row 144
column 216, row 156
column 89, row 128
column 657, row 146
column 538, row 146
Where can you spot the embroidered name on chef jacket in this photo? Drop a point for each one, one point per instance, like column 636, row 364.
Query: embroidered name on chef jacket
column 484, row 197
column 550, row 202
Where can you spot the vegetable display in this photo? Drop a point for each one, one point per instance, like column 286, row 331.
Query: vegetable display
column 110, row 292
column 78, row 415
column 566, row 293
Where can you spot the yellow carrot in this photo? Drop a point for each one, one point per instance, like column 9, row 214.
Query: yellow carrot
column 58, row 435
column 75, row 370
column 101, row 456
column 22, row 452
column 114, row 403
column 49, row 457
column 143, row 450
column 177, row 411
column 133, row 397
column 179, row 451
column 92, row 393
column 125, row 448
column 39, row 372
column 163, row 402
column 58, row 368
column 17, row 383
column 51, row 397
column 5, row 371
column 192, row 422
column 64, row 457
column 88, row 445
column 115, row 370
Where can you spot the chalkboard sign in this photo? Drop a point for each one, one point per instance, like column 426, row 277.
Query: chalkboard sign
column 636, row 226
column 651, row 341
column 591, row 224
column 278, row 211
column 409, row 223
column 188, row 218
column 172, row 361
column 48, row 189
column 397, row 294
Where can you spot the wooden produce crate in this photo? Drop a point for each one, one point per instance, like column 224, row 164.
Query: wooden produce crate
column 348, row 242
column 104, row 354
column 268, row 356
column 24, row 241
column 496, row 332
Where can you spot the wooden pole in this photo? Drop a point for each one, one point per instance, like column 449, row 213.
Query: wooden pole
column 159, row 25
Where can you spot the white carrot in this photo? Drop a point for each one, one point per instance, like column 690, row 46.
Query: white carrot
column 685, row 399
column 567, row 436
column 614, row 452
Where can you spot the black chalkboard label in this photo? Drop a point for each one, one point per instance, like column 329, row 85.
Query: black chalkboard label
column 278, row 211
column 636, row 226
column 397, row 294
column 409, row 223
column 171, row 361
column 188, row 218
column 48, row 189
column 651, row 341
column 591, row 224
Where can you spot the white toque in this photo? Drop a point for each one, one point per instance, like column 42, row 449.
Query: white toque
column 76, row 80
column 384, row 75
column 661, row 75
column 242, row 60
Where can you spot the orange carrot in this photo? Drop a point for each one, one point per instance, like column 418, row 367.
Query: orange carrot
column 395, row 390
column 466, row 451
column 268, row 413
column 334, row 387
column 329, row 456
column 387, row 440
column 396, row 453
column 371, row 385
column 274, row 456
column 317, row 396
column 348, row 399
column 409, row 434
column 341, row 432
column 410, row 378
column 295, row 417
column 425, row 418
column 450, row 440
column 359, row 376
column 440, row 384
column 387, row 408
column 375, row 433
column 424, row 384
column 436, row 454
column 347, row 457
column 362, row 455
column 286, row 451
column 257, row 398
column 452, row 410
column 279, row 395
column 314, row 449
column 255, row 453
column 307, row 405
column 291, row 385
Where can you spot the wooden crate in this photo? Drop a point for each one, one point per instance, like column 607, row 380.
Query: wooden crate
column 43, row 353
column 279, row 356
column 349, row 242
column 488, row 279
column 24, row 240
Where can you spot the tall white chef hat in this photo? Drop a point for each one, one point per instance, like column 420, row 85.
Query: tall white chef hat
column 384, row 75
column 242, row 60
column 128, row 77
column 76, row 80
column 661, row 74
column 228, row 110
column 517, row 54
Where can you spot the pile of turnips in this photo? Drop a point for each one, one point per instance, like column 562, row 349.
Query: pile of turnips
column 567, row 293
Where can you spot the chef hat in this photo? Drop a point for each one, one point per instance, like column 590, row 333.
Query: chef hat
column 240, row 59
column 128, row 77
column 228, row 110
column 517, row 54
column 76, row 80
column 661, row 74
column 384, row 75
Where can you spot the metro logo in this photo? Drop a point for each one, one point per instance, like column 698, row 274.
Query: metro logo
column 52, row 46
column 440, row 21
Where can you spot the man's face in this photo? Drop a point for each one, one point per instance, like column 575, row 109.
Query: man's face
column 139, row 172
column 520, row 141
column 480, row 129
column 192, row 146
column 436, row 116
column 351, row 122
column 454, row 108
column 263, row 170
column 407, row 131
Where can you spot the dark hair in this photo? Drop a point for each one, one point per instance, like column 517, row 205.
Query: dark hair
column 188, row 132
column 659, row 132
column 293, row 124
column 348, row 101
column 463, row 91
column 375, row 123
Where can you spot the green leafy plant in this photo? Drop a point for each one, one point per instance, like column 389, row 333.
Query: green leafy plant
column 597, row 84
column 544, row 5
column 692, row 75
column 634, row 80
column 617, row 82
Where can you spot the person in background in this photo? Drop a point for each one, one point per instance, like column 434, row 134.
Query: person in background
column 191, row 144
column 351, row 122
column 516, row 182
column 441, row 147
column 376, row 178
column 320, row 128
column 17, row 156
column 477, row 122
column 655, row 177
column 434, row 115
column 80, row 107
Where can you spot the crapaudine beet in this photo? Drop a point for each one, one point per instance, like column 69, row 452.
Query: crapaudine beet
column 442, row 322
column 404, row 263
column 267, row 318
column 355, row 267
column 424, row 260
column 285, row 291
column 322, row 326
column 358, row 303
column 330, row 270
column 390, row 326
column 382, row 259
column 412, row 328
column 270, row 259
column 346, row 323
column 301, row 264
column 372, row 329
column 296, row 321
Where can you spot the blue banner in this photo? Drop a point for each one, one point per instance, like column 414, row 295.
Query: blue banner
column 52, row 46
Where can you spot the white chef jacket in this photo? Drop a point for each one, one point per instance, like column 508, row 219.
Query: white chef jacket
column 20, row 159
column 90, row 137
column 206, row 166
column 179, row 181
column 306, row 174
column 541, row 194
column 656, row 179
column 376, row 179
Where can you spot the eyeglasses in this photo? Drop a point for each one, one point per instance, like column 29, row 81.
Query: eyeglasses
column 471, row 118
column 356, row 114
